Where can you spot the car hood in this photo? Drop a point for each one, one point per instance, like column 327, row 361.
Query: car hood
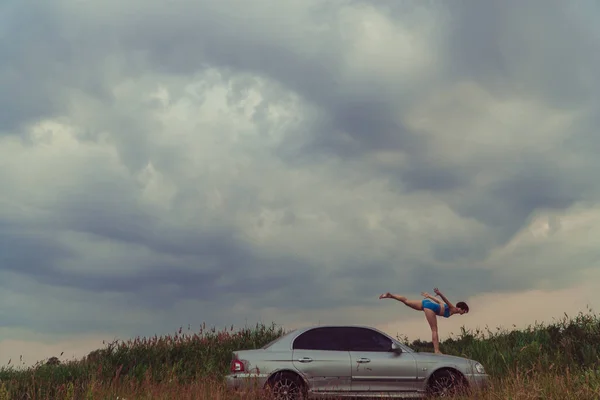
column 442, row 358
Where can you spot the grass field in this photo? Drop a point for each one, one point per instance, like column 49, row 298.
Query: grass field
column 554, row 361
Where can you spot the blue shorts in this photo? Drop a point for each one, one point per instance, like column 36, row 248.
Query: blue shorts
column 435, row 307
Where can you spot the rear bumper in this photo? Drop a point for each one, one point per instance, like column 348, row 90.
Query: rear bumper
column 245, row 382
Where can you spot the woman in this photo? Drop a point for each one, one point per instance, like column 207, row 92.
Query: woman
column 432, row 308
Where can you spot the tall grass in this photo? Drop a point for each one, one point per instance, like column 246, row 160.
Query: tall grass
column 558, row 360
column 572, row 343
column 178, row 359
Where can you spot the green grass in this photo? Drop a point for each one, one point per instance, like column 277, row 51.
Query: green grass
column 563, row 356
column 567, row 343
column 181, row 358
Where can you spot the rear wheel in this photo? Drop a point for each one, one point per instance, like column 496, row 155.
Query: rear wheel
column 446, row 383
column 287, row 386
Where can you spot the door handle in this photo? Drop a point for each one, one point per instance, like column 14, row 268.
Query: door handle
column 305, row 359
column 363, row 360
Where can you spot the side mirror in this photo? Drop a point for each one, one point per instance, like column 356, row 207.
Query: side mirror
column 396, row 348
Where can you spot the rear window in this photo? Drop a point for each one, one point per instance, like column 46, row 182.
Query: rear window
column 271, row 343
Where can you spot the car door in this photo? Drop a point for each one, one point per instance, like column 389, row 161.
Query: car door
column 375, row 366
column 320, row 356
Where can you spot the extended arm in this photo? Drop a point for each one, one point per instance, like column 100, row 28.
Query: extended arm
column 437, row 291
column 428, row 296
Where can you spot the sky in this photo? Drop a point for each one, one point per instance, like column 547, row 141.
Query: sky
column 168, row 164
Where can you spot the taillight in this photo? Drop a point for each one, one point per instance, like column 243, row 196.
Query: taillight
column 237, row 366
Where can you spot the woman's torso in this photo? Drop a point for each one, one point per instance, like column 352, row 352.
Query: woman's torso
column 445, row 311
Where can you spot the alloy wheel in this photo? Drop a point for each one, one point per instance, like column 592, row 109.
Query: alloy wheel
column 287, row 388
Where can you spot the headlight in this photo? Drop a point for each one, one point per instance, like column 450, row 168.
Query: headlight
column 479, row 368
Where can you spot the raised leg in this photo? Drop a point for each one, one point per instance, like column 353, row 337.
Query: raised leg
column 432, row 319
column 414, row 304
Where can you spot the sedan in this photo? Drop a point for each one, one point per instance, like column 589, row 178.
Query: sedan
column 349, row 361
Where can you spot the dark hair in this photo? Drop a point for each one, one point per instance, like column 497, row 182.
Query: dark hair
column 463, row 305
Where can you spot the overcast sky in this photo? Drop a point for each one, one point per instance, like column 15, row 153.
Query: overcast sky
column 232, row 162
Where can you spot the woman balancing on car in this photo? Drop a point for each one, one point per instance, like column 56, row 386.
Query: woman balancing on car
column 432, row 308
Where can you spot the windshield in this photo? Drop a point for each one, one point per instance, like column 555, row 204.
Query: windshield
column 400, row 343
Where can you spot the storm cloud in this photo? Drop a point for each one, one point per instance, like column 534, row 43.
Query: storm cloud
column 229, row 161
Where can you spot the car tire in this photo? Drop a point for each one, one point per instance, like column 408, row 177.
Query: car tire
column 287, row 386
column 446, row 383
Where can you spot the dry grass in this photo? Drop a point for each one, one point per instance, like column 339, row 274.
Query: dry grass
column 522, row 386
column 559, row 385
column 539, row 384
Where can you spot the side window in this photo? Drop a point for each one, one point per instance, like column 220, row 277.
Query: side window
column 364, row 339
column 320, row 339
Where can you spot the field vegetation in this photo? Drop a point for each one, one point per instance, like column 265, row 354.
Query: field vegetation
column 554, row 361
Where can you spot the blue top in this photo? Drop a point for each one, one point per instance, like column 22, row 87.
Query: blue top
column 436, row 308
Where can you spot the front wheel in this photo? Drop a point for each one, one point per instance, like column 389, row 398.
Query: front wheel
column 287, row 386
column 446, row 384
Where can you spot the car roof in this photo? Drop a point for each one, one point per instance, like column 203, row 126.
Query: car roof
column 287, row 339
column 309, row 327
column 338, row 326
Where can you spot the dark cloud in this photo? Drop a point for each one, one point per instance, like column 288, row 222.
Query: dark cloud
column 195, row 260
column 207, row 268
column 42, row 62
column 271, row 212
column 17, row 255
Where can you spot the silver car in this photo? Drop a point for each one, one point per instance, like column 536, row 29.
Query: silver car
column 349, row 361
